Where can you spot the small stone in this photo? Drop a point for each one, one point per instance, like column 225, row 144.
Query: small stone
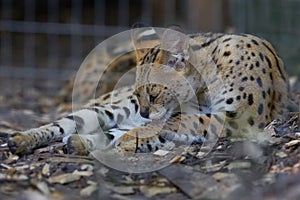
column 161, row 152
column 64, row 178
column 292, row 143
column 87, row 191
column 239, row 165
column 281, row 154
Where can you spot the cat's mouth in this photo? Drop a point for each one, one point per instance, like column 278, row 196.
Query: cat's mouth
column 158, row 115
column 157, row 112
column 161, row 113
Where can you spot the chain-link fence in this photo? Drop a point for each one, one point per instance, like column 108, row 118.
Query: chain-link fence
column 43, row 42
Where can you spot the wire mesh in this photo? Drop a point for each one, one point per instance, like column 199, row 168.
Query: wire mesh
column 47, row 40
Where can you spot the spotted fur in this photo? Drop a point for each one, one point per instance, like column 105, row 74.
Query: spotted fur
column 188, row 89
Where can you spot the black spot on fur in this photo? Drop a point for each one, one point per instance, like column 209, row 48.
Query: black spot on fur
column 269, row 62
column 231, row 114
column 205, row 133
column 109, row 114
column 261, row 125
column 195, row 47
column 227, row 53
column 257, row 64
column 271, row 76
column 201, row 120
column 149, row 147
column 161, row 139
column 254, row 42
column 260, row 109
column 263, row 94
column 250, row 99
column 229, row 101
column 120, row 118
column 115, row 107
column 219, row 101
column 78, row 120
column 214, row 49
column 251, row 67
column 127, row 111
column 61, row 130
column 259, row 82
column 211, row 41
column 228, row 132
column 245, row 78
column 227, row 39
column 251, row 121
column 261, row 56
column 136, row 107
column 106, row 97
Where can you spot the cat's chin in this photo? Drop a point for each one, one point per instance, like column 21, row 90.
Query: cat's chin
column 158, row 115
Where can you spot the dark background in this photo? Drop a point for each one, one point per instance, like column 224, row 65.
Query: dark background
column 43, row 42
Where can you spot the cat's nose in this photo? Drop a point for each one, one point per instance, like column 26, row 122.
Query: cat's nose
column 145, row 113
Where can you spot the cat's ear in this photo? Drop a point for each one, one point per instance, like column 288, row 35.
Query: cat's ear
column 143, row 39
column 175, row 41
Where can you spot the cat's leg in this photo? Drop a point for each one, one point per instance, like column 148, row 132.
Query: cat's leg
column 84, row 121
column 182, row 129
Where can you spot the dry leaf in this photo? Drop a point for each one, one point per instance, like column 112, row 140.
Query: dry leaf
column 177, row 159
column 292, row 143
column 122, row 189
column 215, row 167
column 239, row 165
column 281, row 154
column 87, row 191
column 153, row 190
column 46, row 169
column 83, row 173
column 43, row 187
column 64, row 178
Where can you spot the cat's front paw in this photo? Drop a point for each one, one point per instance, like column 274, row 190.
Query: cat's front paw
column 127, row 142
column 77, row 145
column 141, row 140
column 19, row 143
